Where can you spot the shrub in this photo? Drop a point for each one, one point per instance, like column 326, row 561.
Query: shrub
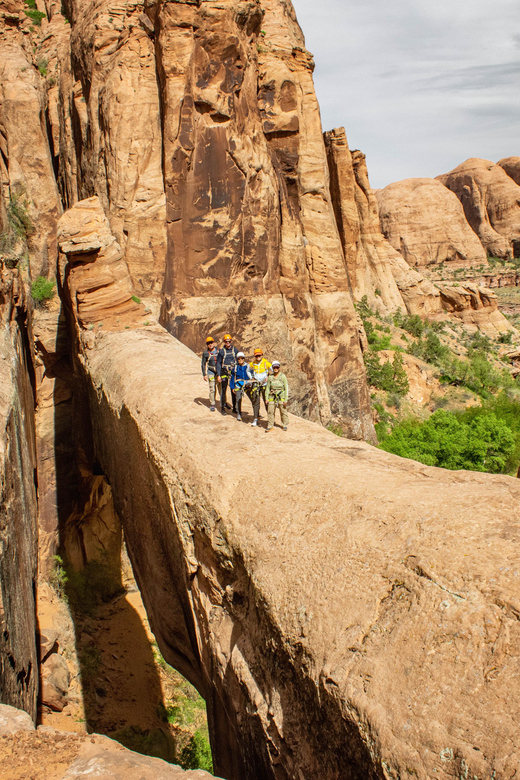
column 197, row 753
column 387, row 376
column 484, row 443
column 430, row 349
column 42, row 290
column 36, row 16
column 42, row 66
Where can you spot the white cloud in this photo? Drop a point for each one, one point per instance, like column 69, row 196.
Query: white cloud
column 420, row 86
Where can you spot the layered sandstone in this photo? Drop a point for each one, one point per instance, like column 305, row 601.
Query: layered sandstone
column 475, row 306
column 491, row 202
column 511, row 166
column 315, row 660
column 425, row 222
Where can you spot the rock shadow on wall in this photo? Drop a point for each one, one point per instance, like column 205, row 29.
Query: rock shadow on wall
column 120, row 684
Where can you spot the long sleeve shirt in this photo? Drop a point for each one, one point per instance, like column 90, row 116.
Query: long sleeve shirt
column 209, row 362
column 277, row 388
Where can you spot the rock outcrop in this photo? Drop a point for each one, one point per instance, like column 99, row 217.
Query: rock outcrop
column 48, row 753
column 491, row 202
column 475, row 306
column 314, row 660
column 511, row 166
column 425, row 222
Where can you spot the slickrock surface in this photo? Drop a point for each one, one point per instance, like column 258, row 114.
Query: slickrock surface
column 356, row 616
column 491, row 202
column 511, row 166
column 425, row 222
column 27, row 753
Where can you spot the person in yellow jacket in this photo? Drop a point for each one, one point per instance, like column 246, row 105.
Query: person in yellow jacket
column 260, row 369
column 277, row 395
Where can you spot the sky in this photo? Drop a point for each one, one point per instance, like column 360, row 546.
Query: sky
column 419, row 85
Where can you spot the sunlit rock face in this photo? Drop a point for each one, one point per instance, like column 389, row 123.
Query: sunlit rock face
column 491, row 202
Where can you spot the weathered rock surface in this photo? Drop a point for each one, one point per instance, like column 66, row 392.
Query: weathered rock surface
column 55, row 682
column 26, row 171
column 475, row 306
column 425, row 222
column 491, row 202
column 48, row 754
column 358, row 620
column 18, row 533
column 511, row 166
column 356, row 213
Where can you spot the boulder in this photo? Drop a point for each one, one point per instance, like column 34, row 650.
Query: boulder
column 491, row 202
column 48, row 641
column 55, row 680
column 476, row 306
column 511, row 166
column 13, row 720
column 425, row 222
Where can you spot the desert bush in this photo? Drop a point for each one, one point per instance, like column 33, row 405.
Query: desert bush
column 42, row 290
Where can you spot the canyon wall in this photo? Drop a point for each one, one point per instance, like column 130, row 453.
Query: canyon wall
column 18, row 529
column 197, row 126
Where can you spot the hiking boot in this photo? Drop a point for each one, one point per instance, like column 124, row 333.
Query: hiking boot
column 239, row 419
column 212, row 408
column 228, row 406
column 223, row 411
column 268, row 429
column 284, row 428
column 254, row 423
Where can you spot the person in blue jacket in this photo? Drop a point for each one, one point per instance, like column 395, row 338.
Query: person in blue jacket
column 240, row 378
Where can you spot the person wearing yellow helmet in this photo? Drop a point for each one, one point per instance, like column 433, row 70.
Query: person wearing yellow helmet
column 260, row 369
column 209, row 369
column 226, row 362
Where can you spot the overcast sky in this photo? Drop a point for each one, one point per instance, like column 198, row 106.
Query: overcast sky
column 419, row 85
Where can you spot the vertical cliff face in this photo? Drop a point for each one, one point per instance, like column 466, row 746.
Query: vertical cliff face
column 18, row 534
column 198, row 127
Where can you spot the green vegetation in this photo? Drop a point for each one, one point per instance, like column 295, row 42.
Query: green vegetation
column 42, row 290
column 32, row 12
column 58, row 578
column 467, row 440
column 387, row 376
column 18, row 229
column 42, row 66
column 136, row 299
column 186, row 710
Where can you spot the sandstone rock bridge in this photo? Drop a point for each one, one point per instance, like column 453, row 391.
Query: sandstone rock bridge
column 344, row 612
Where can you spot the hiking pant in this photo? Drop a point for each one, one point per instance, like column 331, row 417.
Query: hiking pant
column 273, row 406
column 238, row 395
column 254, row 396
column 223, row 392
column 212, row 381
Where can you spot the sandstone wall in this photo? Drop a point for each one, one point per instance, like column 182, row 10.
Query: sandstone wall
column 491, row 202
column 18, row 534
column 355, row 619
column 425, row 222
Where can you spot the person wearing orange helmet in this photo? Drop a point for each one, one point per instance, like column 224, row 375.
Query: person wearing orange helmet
column 209, row 369
column 226, row 362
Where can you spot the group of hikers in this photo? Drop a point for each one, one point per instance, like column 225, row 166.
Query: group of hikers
column 259, row 379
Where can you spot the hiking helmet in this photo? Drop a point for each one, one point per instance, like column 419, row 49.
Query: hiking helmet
column 210, row 340
column 275, row 363
column 227, row 337
column 240, row 354
column 258, row 352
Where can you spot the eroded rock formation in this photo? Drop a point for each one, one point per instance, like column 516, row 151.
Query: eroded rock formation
column 315, row 660
column 425, row 222
column 491, row 202
column 511, row 166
